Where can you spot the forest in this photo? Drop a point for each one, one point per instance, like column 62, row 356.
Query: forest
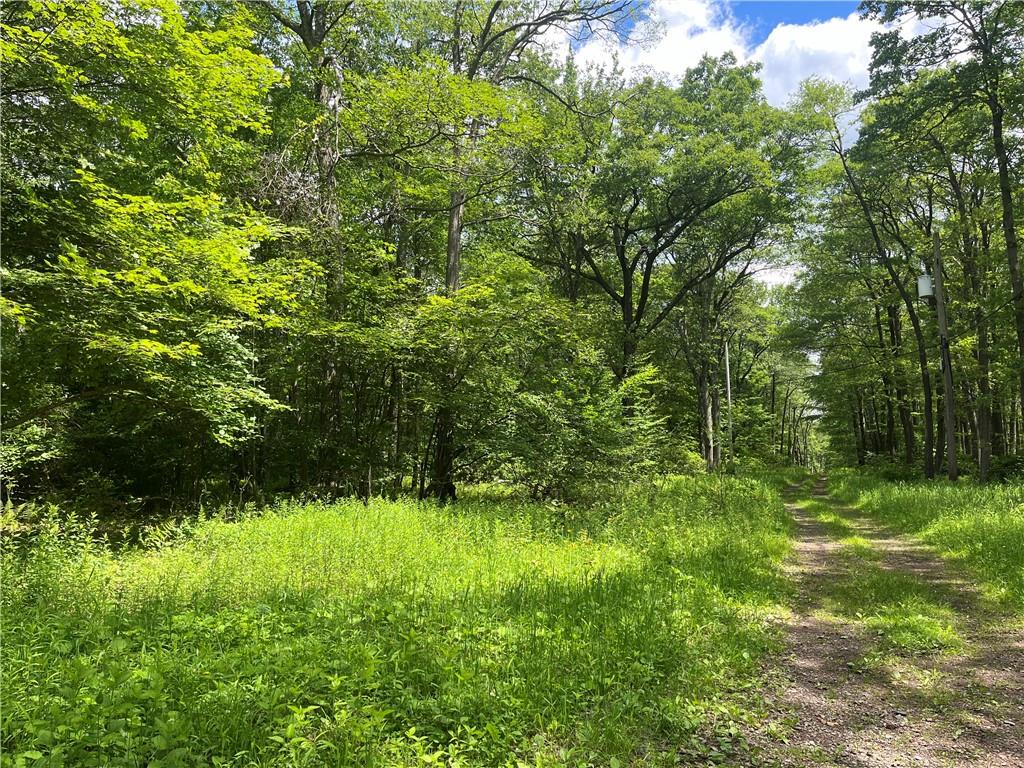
column 385, row 384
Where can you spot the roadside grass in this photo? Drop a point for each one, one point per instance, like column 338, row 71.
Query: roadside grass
column 492, row 632
column 781, row 478
column 839, row 527
column 983, row 526
column 905, row 614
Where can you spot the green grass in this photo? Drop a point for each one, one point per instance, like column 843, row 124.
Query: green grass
column 779, row 477
column 983, row 526
column 859, row 547
column 494, row 632
column 836, row 525
column 905, row 614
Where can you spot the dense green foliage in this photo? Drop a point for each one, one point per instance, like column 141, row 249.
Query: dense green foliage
column 488, row 632
column 265, row 248
column 981, row 525
column 931, row 152
column 374, row 248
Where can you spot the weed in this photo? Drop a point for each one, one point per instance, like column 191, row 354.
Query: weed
column 982, row 525
column 398, row 633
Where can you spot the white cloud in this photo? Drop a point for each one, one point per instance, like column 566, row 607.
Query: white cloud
column 838, row 49
column 684, row 31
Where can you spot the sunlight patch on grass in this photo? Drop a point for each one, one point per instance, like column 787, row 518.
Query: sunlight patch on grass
column 400, row 632
column 903, row 613
column 859, row 547
column 980, row 525
column 837, row 525
column 915, row 626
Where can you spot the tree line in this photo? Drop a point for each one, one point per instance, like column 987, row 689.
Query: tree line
column 932, row 182
column 389, row 246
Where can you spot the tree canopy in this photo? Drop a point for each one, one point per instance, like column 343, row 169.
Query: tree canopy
column 266, row 248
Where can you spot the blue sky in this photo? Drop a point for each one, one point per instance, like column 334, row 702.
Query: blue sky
column 761, row 16
column 792, row 40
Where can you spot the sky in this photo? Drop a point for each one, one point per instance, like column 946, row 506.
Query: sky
column 792, row 39
column 761, row 16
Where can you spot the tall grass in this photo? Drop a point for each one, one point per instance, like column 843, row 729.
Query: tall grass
column 982, row 525
column 488, row 633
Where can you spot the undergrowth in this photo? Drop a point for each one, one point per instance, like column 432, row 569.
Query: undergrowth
column 492, row 632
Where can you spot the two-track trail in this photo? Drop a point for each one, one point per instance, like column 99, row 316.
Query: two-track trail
column 892, row 658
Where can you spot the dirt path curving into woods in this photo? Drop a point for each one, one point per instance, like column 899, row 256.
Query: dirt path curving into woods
column 892, row 658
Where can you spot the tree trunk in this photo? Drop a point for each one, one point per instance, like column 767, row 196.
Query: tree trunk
column 946, row 362
column 1009, row 229
column 902, row 396
column 442, row 470
column 454, row 261
column 707, row 422
column 926, row 384
column 984, row 404
column 395, row 446
column 716, row 418
column 442, row 480
column 857, row 438
column 876, row 428
column 862, row 447
column 998, row 424
column 782, row 425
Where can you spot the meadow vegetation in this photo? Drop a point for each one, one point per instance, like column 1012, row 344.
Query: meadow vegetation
column 980, row 525
column 495, row 631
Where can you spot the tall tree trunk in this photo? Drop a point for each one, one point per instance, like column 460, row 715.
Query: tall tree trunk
column 716, row 419
column 926, row 378
column 1014, row 442
column 984, row 404
column 862, row 447
column 876, row 429
column 945, row 360
column 457, row 207
column 395, row 463
column 782, row 425
column 1009, row 227
column 888, row 387
column 855, row 425
column 442, row 473
column 890, row 423
column 902, row 396
column 707, row 421
column 970, row 243
column 998, row 423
